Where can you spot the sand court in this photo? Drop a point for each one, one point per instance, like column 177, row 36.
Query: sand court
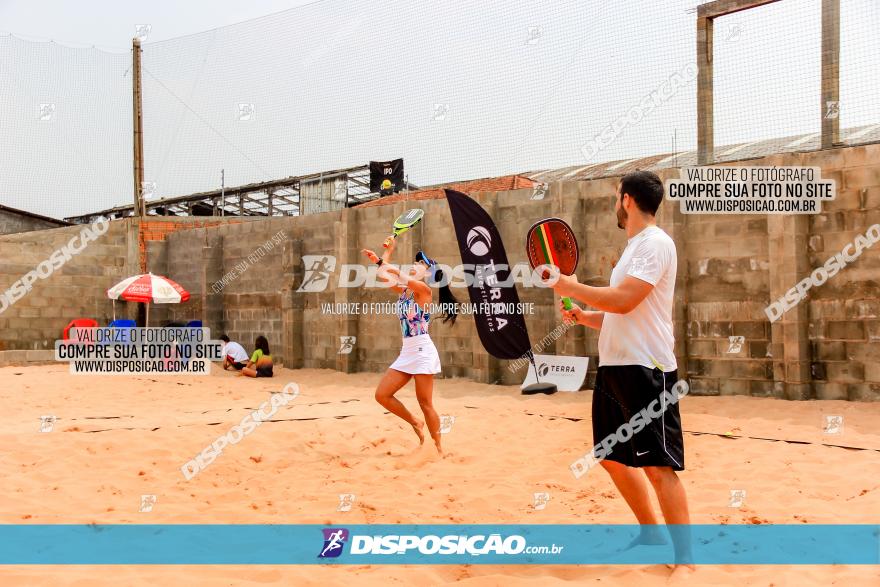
column 116, row 439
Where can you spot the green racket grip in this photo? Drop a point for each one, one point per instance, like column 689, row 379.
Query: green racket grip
column 566, row 303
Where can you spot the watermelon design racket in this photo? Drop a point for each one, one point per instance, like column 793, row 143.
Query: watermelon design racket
column 403, row 223
column 551, row 242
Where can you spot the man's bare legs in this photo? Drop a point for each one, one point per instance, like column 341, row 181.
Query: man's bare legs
column 632, row 486
column 673, row 503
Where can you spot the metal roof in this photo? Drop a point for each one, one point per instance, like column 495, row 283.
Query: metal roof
column 32, row 215
column 277, row 197
column 738, row 152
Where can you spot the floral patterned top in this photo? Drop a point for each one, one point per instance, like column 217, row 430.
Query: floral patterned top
column 414, row 319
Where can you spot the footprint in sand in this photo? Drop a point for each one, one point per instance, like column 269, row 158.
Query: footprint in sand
column 418, row 458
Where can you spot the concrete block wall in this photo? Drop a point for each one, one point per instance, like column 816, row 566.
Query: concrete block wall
column 843, row 316
column 77, row 290
column 12, row 221
column 248, row 302
column 730, row 268
column 735, row 265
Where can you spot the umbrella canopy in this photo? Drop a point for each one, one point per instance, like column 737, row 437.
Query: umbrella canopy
column 148, row 288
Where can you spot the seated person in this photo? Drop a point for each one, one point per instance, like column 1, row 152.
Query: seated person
column 234, row 355
column 260, row 364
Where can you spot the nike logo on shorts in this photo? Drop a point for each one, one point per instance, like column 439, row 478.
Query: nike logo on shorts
column 638, row 454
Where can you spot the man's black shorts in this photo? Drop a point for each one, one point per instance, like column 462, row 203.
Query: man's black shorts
column 622, row 392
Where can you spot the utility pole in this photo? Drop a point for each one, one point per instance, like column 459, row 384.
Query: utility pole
column 137, row 126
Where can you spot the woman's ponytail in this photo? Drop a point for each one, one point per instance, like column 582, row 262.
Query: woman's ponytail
column 447, row 300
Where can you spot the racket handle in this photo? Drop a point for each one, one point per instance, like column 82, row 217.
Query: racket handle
column 566, row 303
column 387, row 242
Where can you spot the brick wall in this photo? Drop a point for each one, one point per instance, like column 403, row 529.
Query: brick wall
column 154, row 229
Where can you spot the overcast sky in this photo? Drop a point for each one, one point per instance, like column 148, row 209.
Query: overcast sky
column 111, row 25
column 460, row 90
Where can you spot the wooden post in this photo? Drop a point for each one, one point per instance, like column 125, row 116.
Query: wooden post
column 705, row 93
column 706, row 14
column 137, row 126
column 830, row 106
column 222, row 194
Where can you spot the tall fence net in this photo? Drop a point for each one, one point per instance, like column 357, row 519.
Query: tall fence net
column 460, row 90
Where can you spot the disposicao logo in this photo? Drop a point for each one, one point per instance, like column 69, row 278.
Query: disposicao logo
column 317, row 275
column 334, row 541
column 433, row 544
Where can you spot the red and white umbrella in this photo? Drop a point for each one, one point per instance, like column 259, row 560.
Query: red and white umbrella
column 147, row 288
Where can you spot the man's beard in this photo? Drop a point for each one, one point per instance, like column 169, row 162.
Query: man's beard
column 621, row 218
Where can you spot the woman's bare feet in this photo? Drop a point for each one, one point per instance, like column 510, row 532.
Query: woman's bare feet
column 419, row 427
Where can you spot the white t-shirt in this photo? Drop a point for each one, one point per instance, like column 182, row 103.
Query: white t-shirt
column 236, row 351
column 646, row 331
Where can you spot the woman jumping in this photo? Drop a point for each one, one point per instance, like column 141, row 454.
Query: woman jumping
column 418, row 358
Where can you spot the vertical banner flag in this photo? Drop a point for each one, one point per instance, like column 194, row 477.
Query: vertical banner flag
column 499, row 319
column 386, row 177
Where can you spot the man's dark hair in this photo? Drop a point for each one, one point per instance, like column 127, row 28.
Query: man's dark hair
column 645, row 188
column 224, row 338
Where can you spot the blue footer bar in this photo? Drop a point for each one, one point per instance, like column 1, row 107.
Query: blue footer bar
column 211, row 544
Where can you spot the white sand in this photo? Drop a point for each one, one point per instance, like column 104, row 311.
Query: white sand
column 117, row 438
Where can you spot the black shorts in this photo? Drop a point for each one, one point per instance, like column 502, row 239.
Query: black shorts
column 264, row 371
column 654, row 437
column 238, row 366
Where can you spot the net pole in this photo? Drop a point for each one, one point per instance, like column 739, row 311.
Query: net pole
column 137, row 127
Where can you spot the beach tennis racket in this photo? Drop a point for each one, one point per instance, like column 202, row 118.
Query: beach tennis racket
column 403, row 223
column 551, row 242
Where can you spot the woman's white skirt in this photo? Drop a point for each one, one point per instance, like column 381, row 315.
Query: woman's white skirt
column 418, row 356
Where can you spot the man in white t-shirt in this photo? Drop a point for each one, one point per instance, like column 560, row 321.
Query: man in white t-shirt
column 637, row 364
column 234, row 354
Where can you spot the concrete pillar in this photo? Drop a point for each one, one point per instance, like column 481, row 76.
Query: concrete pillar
column 791, row 263
column 565, row 202
column 212, row 272
column 676, row 225
column 345, row 237
column 292, row 304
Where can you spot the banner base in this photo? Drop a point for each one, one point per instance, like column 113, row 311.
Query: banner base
column 546, row 388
